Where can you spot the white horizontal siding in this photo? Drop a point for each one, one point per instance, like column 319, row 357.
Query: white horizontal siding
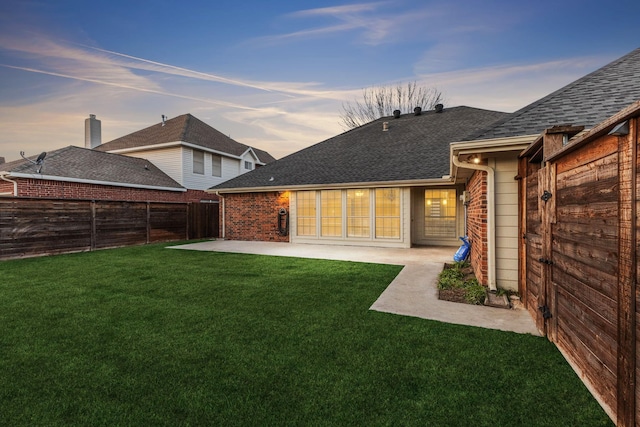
column 169, row 160
column 506, row 192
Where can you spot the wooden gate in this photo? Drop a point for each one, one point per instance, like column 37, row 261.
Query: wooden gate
column 579, row 259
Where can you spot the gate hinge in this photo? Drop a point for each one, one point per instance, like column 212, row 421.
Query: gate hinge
column 546, row 261
column 546, row 195
column 546, row 314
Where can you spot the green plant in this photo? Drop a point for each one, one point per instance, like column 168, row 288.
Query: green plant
column 451, row 277
column 474, row 292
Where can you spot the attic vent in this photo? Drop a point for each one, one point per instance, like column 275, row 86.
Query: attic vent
column 396, row 113
column 439, row 108
column 385, row 126
column 417, row 111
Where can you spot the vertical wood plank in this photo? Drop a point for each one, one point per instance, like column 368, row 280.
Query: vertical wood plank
column 626, row 279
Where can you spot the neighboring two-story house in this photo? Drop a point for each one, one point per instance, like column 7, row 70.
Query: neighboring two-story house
column 190, row 151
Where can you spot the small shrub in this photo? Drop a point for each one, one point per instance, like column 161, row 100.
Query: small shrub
column 450, row 277
column 474, row 292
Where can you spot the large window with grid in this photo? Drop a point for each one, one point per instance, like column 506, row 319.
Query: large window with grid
column 331, row 213
column 358, row 213
column 349, row 214
column 306, row 213
column 440, row 213
column 387, row 213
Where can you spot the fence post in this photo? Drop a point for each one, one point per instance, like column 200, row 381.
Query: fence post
column 92, row 238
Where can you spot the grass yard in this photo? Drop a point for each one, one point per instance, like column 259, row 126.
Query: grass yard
column 155, row 336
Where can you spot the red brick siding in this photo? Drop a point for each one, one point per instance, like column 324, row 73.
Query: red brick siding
column 74, row 190
column 477, row 225
column 254, row 216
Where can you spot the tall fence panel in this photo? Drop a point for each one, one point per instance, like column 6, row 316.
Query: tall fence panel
column 33, row 226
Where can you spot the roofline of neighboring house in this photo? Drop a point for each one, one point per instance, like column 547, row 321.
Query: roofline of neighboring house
column 90, row 181
column 445, row 180
column 185, row 144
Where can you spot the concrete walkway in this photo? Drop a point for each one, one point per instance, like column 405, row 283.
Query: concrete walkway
column 412, row 293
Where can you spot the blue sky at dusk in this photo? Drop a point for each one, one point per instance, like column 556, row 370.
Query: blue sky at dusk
column 276, row 74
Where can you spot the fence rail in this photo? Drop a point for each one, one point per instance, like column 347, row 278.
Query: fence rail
column 33, row 227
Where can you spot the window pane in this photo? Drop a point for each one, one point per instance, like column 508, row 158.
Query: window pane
column 388, row 213
column 306, row 213
column 198, row 162
column 216, row 165
column 331, row 213
column 440, row 213
column 358, row 219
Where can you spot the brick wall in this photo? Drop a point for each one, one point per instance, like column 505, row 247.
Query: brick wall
column 74, row 190
column 477, row 225
column 254, row 216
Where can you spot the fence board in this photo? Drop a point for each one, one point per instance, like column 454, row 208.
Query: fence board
column 34, row 227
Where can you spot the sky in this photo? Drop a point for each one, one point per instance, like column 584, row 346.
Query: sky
column 276, row 74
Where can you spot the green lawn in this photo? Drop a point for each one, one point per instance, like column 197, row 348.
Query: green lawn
column 155, row 336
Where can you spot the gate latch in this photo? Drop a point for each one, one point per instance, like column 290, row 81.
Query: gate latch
column 546, row 196
column 546, row 261
column 546, row 314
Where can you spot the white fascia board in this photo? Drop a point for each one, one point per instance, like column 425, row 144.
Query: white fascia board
column 496, row 145
column 89, row 181
column 170, row 145
column 380, row 184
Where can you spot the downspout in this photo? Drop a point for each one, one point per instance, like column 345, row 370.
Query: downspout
column 3, row 176
column 491, row 217
column 223, row 214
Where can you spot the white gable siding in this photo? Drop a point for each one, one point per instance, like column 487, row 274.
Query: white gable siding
column 169, row 160
column 506, row 191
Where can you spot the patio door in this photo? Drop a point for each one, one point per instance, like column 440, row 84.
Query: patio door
column 435, row 216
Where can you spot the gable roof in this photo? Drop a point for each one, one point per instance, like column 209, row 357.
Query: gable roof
column 413, row 148
column 586, row 101
column 77, row 164
column 184, row 128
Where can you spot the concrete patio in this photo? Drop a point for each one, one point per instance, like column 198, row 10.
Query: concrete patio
column 412, row 293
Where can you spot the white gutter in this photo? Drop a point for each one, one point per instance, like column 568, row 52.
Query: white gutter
column 491, row 217
column 97, row 182
column 3, row 176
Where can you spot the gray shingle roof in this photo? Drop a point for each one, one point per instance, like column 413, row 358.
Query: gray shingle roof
column 585, row 102
column 84, row 164
column 185, row 128
column 414, row 148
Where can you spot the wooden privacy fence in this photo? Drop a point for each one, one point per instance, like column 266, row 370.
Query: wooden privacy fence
column 579, row 256
column 32, row 227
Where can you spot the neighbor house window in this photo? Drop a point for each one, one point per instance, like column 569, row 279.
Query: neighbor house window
column 358, row 216
column 440, row 213
column 216, row 165
column 306, row 213
column 387, row 213
column 248, row 165
column 198, row 162
column 331, row 213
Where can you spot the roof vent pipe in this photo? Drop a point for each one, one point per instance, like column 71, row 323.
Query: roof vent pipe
column 385, row 126
column 439, row 108
column 163, row 119
column 417, row 111
column 396, row 113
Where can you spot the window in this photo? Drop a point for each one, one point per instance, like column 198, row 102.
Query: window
column 198, row 162
column 306, row 213
column 248, row 165
column 216, row 165
column 358, row 217
column 388, row 213
column 331, row 213
column 440, row 213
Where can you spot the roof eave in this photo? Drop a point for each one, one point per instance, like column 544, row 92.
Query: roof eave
column 335, row 186
column 96, row 182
